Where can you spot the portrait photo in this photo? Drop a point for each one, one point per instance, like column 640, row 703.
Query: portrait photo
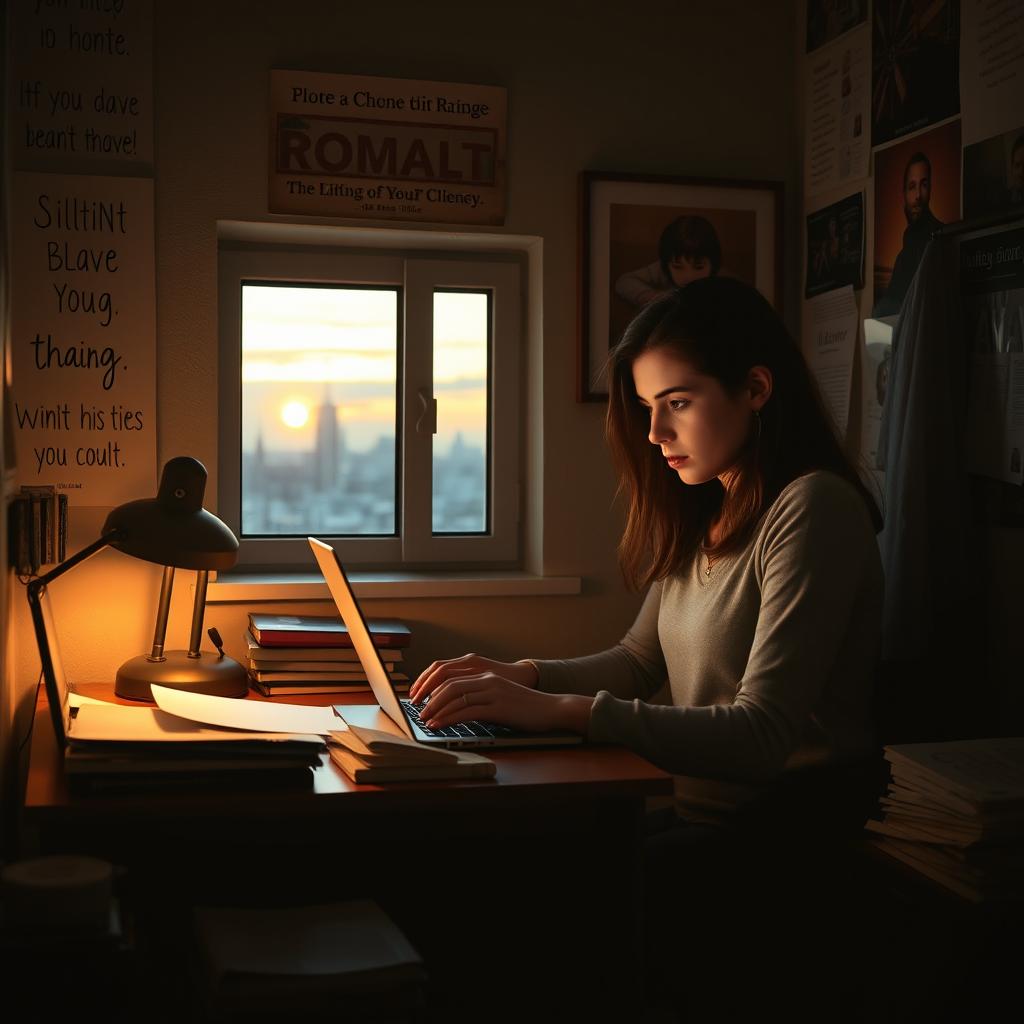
column 835, row 246
column 642, row 237
column 994, row 175
column 917, row 191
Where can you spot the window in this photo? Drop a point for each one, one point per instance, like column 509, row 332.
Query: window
column 372, row 400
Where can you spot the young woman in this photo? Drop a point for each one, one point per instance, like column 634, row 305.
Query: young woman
column 755, row 540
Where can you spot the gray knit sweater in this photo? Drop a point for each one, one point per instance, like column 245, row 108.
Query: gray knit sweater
column 769, row 660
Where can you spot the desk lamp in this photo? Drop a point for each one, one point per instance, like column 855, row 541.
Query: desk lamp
column 175, row 531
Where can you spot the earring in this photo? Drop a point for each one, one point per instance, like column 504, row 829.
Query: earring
column 757, row 426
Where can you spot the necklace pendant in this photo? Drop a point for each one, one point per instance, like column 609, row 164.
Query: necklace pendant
column 707, row 571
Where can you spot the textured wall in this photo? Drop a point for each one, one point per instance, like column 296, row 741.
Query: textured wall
column 668, row 88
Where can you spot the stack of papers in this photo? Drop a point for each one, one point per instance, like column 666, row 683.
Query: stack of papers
column 955, row 812
column 194, row 735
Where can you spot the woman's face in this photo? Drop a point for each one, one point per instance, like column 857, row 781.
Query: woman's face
column 683, row 269
column 698, row 427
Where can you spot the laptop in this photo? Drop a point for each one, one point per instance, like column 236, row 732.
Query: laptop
column 400, row 711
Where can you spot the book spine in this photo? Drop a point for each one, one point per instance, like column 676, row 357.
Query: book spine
column 316, row 639
column 19, row 536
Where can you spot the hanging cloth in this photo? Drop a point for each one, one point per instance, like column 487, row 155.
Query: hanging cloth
column 925, row 545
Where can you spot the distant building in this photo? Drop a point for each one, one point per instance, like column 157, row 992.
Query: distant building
column 329, row 450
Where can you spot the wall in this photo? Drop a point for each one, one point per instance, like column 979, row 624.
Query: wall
column 672, row 88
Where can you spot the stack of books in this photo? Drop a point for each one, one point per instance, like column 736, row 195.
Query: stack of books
column 294, row 654
column 370, row 755
column 38, row 524
column 955, row 812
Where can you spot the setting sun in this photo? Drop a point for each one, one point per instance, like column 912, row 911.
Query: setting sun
column 295, row 414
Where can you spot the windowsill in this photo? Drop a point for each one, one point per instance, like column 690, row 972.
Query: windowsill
column 278, row 587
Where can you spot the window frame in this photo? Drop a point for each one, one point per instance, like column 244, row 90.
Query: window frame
column 417, row 275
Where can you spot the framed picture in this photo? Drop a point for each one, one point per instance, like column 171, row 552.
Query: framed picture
column 641, row 236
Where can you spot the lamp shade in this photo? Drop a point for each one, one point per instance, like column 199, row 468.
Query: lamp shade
column 173, row 528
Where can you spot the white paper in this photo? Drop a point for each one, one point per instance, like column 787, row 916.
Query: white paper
column 76, row 700
column 84, row 92
column 256, row 715
column 830, row 337
column 83, row 336
column 116, row 723
column 837, row 131
column 991, row 68
column 876, row 355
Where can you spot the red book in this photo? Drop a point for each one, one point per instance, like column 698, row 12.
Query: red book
column 322, row 631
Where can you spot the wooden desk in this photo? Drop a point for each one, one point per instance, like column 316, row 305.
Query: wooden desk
column 535, row 874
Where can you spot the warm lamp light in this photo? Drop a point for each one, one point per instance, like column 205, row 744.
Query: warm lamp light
column 175, row 531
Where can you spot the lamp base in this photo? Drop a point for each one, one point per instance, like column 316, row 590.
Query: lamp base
column 209, row 673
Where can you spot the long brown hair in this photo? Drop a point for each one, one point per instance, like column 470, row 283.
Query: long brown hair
column 722, row 328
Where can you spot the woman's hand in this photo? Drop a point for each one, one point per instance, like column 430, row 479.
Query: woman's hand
column 471, row 687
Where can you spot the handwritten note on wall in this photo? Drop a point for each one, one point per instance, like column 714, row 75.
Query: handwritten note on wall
column 83, row 335
column 81, row 92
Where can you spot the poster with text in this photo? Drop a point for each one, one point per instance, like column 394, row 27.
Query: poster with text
column 81, row 85
column 835, row 246
column 991, row 68
column 83, row 336
column 386, row 148
column 837, row 84
column 917, row 191
column 830, row 339
column 915, row 56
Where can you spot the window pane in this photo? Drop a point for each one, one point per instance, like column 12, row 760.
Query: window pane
column 319, row 410
column 462, row 322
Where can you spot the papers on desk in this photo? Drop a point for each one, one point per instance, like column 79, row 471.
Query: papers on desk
column 255, row 715
column 114, row 723
column 77, row 700
column 193, row 737
column 182, row 717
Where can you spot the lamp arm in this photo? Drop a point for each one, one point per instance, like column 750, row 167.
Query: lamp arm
column 37, row 585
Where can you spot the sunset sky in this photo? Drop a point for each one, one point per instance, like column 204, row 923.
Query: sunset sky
column 303, row 345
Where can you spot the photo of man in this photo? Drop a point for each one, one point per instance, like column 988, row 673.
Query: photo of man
column 994, row 174
column 917, row 190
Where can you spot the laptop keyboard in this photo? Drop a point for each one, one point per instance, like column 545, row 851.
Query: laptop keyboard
column 461, row 730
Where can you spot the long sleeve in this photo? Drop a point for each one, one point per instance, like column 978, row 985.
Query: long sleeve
column 777, row 651
column 635, row 667
column 635, row 284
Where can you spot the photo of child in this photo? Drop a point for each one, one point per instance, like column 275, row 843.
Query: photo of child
column 642, row 238
column 687, row 250
column 687, row 244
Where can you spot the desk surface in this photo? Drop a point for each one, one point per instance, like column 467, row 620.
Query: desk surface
column 480, row 841
column 547, row 773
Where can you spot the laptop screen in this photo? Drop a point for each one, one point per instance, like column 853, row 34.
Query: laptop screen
column 355, row 623
column 57, row 688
